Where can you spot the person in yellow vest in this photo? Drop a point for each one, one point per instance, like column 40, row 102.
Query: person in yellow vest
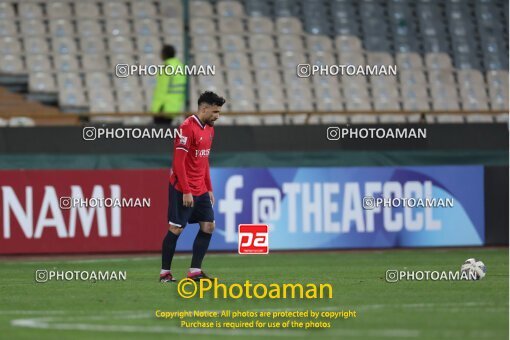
column 169, row 97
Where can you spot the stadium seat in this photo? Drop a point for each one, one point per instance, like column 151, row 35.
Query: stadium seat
column 241, row 94
column 41, row 82
column 66, row 63
column 6, row 11
column 114, row 9
column 8, row 28
column 64, row 45
column 290, row 59
column 130, row 101
column 204, row 43
column 148, row 45
column 236, row 61
column 97, row 80
column 268, row 78
column 143, row 10
column 61, row 27
column 288, row 26
column 207, row 59
column 101, row 101
column 146, row 27
column 328, row 100
column 120, row 44
column 200, row 9
column 435, row 61
column 248, row 120
column 333, row 119
column 261, row 42
column 58, row 10
column 94, row 62
column 88, row 28
column 290, row 42
column 32, row 27
column 479, row 118
column 150, row 59
column 363, row 119
column 351, row 58
column 172, row 26
column 171, row 9
column 260, row 25
column 257, row 8
column 273, row 119
column 296, row 119
column 38, row 63
column 10, row 45
column 116, row 59
column 118, row 27
column 71, row 99
column 232, row 43
column 36, row 45
column 230, row 25
column 229, row 9
column 502, row 118
column 211, row 83
column 448, row 119
column 29, row 10
column 21, row 121
column 392, row 119
column 202, row 26
column 319, row 43
column 11, row 64
column 264, row 60
column 86, row 9
column 239, row 79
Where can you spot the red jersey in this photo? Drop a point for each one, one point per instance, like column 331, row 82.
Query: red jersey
column 190, row 167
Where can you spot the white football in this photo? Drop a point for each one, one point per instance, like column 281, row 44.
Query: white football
column 474, row 268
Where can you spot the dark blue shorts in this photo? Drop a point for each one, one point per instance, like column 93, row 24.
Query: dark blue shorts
column 179, row 215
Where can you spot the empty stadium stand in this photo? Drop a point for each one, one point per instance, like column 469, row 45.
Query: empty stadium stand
column 452, row 56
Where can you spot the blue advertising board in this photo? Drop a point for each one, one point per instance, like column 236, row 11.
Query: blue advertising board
column 355, row 207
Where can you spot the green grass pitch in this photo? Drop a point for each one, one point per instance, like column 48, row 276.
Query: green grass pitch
column 125, row 309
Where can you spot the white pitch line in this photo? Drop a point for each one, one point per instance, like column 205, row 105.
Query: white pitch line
column 288, row 308
column 51, row 322
column 31, row 312
column 46, row 323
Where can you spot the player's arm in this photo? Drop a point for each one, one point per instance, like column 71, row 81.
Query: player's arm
column 181, row 149
column 208, row 183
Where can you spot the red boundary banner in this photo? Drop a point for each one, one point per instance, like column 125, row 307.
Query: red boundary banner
column 127, row 214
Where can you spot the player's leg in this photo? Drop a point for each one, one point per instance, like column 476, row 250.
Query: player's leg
column 204, row 215
column 178, row 216
column 167, row 253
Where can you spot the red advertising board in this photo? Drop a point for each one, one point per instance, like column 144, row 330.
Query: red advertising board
column 82, row 211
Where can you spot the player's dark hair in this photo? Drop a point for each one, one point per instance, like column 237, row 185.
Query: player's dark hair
column 167, row 52
column 211, row 98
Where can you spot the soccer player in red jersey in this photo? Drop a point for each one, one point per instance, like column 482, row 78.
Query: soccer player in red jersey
column 190, row 193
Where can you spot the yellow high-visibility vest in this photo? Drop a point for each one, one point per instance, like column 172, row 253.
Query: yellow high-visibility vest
column 169, row 97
